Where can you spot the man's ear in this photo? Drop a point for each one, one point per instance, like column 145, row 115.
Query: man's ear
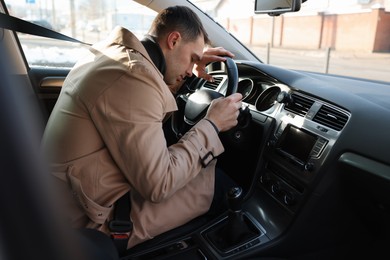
column 172, row 39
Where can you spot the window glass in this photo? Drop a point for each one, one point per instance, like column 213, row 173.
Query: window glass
column 86, row 20
column 347, row 38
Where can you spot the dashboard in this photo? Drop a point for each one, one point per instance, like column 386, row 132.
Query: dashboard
column 305, row 129
column 314, row 138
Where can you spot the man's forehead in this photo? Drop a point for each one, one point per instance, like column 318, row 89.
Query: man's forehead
column 199, row 47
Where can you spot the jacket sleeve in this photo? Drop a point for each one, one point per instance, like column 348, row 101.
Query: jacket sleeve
column 129, row 117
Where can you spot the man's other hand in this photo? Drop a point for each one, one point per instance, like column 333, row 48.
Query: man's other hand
column 210, row 55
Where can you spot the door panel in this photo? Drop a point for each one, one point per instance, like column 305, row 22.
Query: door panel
column 47, row 83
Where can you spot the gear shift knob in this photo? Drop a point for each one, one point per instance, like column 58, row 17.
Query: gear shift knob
column 234, row 197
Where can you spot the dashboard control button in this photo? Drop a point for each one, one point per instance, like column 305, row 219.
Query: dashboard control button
column 275, row 188
column 289, row 198
column 309, row 167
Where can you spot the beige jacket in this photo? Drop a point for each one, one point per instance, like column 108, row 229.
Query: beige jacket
column 105, row 137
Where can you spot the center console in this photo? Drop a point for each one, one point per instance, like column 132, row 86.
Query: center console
column 299, row 146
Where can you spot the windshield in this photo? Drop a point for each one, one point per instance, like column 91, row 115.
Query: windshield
column 348, row 38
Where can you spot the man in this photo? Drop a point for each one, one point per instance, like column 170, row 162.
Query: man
column 105, row 134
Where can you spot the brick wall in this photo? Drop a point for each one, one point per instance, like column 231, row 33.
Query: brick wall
column 382, row 38
column 301, row 31
column 363, row 31
column 355, row 31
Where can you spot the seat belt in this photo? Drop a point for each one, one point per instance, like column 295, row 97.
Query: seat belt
column 15, row 24
column 121, row 224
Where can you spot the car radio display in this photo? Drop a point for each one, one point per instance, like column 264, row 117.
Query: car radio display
column 296, row 143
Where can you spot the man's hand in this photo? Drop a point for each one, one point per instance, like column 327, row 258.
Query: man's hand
column 223, row 112
column 210, row 55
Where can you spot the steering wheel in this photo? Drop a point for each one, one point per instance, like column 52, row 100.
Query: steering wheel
column 198, row 102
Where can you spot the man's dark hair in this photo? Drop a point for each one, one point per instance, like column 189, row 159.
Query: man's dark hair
column 181, row 19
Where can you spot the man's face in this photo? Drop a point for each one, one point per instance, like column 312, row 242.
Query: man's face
column 180, row 61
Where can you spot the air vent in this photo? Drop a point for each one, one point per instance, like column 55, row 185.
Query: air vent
column 215, row 84
column 299, row 105
column 330, row 117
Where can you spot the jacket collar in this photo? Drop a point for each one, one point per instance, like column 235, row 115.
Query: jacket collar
column 148, row 47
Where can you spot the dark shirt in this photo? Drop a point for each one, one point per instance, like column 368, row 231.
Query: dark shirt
column 154, row 52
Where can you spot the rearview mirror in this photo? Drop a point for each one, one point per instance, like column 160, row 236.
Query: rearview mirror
column 276, row 7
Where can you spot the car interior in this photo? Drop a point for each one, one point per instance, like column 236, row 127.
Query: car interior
column 309, row 156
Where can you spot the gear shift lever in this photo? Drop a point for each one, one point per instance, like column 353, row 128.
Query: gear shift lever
column 237, row 228
column 234, row 197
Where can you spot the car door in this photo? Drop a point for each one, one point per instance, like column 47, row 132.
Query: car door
column 46, row 61
column 41, row 63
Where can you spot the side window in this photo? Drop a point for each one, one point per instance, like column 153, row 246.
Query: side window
column 88, row 21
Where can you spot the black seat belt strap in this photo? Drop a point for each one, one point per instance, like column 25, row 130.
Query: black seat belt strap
column 15, row 24
column 121, row 224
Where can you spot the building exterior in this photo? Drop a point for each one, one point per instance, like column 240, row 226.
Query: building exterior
column 355, row 25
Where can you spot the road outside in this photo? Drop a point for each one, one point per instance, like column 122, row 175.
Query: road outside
column 375, row 66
